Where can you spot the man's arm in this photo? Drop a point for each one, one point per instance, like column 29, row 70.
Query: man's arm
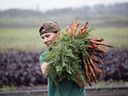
column 43, row 68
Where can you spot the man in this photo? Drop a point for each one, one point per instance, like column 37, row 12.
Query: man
column 49, row 33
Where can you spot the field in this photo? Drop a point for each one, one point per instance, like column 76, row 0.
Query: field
column 20, row 39
column 28, row 38
column 117, row 37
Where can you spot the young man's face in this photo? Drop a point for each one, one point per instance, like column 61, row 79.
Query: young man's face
column 49, row 38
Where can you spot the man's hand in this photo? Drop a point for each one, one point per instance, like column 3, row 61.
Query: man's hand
column 44, row 68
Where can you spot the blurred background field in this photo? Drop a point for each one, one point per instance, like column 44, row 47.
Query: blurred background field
column 20, row 39
column 28, row 38
column 19, row 27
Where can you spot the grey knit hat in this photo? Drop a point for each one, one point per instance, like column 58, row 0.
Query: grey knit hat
column 49, row 26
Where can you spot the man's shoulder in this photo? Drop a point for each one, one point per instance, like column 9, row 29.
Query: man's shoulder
column 43, row 55
column 44, row 52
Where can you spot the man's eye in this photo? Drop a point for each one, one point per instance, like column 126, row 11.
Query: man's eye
column 47, row 35
column 42, row 37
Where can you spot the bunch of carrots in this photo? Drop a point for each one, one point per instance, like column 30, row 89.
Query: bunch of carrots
column 90, row 60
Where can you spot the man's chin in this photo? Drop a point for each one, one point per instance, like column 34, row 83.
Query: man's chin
column 48, row 45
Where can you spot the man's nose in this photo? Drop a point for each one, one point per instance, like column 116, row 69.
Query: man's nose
column 45, row 40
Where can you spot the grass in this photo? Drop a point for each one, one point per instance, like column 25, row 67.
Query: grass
column 99, row 84
column 28, row 38
column 111, row 83
column 6, row 88
column 20, row 39
column 117, row 37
